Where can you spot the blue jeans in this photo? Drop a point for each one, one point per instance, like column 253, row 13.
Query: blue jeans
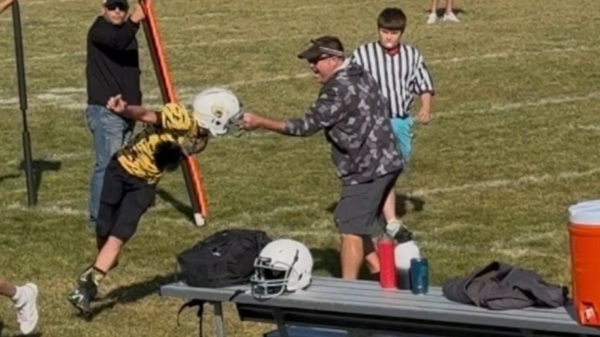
column 109, row 133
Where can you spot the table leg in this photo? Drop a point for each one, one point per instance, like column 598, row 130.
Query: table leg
column 280, row 323
column 219, row 326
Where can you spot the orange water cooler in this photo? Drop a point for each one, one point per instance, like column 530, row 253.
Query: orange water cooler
column 584, row 232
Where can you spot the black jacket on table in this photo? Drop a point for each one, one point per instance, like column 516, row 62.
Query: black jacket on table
column 500, row 286
column 113, row 62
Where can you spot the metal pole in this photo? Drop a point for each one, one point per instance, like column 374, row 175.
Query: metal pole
column 31, row 195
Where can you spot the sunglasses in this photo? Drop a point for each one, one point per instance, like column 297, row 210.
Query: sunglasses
column 318, row 59
column 113, row 7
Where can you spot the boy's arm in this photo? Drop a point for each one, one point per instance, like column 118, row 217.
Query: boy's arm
column 5, row 4
column 134, row 112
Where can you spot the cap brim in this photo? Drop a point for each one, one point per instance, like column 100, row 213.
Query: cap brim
column 115, row 2
column 310, row 54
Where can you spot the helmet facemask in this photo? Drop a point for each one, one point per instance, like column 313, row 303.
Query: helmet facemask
column 272, row 279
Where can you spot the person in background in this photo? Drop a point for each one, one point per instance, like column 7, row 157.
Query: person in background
column 112, row 68
column 24, row 299
column 448, row 15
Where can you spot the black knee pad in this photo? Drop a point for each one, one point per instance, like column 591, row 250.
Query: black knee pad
column 124, row 231
column 103, row 229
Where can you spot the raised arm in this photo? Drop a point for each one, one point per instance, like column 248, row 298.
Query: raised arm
column 118, row 37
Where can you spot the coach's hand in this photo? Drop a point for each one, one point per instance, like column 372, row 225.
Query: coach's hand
column 251, row 121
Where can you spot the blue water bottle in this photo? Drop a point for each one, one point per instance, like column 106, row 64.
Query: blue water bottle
column 419, row 275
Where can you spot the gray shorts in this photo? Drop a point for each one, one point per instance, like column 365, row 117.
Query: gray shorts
column 359, row 210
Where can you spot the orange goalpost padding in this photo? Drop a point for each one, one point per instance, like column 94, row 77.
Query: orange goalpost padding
column 189, row 166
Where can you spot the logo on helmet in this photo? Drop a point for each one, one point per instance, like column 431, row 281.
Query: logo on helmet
column 218, row 111
column 216, row 108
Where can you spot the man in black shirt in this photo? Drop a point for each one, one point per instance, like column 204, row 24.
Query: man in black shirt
column 112, row 69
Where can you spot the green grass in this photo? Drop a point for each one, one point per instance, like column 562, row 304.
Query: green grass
column 511, row 146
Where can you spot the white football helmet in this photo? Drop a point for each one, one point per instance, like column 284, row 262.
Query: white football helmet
column 283, row 265
column 216, row 109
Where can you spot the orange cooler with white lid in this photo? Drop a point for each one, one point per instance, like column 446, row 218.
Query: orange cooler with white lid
column 584, row 232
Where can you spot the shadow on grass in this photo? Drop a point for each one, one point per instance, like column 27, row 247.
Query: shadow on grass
column 185, row 210
column 132, row 293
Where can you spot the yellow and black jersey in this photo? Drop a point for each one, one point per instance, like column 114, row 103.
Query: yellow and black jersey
column 175, row 126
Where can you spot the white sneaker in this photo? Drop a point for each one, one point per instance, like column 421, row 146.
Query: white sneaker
column 26, row 305
column 451, row 17
column 432, row 18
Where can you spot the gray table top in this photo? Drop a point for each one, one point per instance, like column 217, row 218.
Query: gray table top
column 366, row 297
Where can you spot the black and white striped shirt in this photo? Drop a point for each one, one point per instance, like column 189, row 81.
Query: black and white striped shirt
column 400, row 76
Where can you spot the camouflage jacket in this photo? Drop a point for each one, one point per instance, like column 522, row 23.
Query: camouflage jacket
column 354, row 116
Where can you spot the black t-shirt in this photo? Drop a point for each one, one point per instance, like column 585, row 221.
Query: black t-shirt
column 113, row 62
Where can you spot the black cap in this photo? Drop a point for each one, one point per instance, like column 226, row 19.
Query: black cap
column 116, row 2
column 324, row 45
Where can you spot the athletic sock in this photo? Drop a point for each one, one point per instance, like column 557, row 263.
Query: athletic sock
column 93, row 274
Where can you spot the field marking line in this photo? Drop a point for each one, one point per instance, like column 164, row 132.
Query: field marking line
column 492, row 184
column 595, row 128
column 476, row 186
column 493, row 109
column 438, row 60
column 553, row 100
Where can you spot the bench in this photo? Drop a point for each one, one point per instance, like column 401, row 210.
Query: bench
column 339, row 305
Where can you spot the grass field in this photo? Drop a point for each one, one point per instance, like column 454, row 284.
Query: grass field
column 513, row 143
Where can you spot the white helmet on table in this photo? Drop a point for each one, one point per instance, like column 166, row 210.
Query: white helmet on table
column 216, row 109
column 283, row 265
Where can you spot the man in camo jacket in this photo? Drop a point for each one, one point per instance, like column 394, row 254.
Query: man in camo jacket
column 353, row 113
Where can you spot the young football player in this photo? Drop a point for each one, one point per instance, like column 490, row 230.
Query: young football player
column 134, row 171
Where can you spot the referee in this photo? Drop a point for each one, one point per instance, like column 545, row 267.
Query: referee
column 401, row 73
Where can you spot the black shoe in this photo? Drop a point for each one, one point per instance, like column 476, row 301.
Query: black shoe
column 82, row 296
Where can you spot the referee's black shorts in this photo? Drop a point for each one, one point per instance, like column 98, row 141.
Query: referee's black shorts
column 124, row 199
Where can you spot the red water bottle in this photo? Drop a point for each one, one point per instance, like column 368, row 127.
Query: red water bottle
column 387, row 265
